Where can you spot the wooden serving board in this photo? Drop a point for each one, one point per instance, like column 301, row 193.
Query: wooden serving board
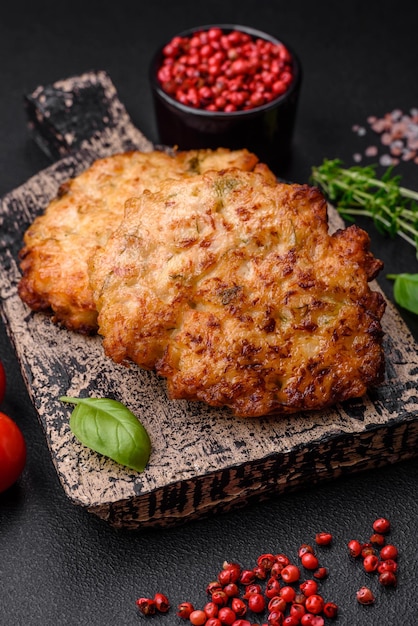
column 203, row 460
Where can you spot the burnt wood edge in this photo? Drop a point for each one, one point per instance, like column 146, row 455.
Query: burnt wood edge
column 63, row 115
column 277, row 474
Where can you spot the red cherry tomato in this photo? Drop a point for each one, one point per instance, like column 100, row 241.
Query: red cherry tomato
column 2, row 382
column 12, row 452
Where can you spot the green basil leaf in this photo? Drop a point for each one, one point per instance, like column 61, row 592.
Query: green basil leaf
column 405, row 291
column 108, row 427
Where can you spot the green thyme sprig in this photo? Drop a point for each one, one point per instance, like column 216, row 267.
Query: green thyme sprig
column 358, row 191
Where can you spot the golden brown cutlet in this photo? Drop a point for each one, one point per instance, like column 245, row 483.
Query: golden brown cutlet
column 87, row 209
column 230, row 286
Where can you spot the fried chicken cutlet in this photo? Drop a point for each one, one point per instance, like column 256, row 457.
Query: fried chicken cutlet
column 231, row 287
column 88, row 207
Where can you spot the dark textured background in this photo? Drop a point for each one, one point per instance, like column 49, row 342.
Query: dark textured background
column 60, row 565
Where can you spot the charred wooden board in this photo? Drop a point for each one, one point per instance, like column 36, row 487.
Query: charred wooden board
column 66, row 114
column 203, row 460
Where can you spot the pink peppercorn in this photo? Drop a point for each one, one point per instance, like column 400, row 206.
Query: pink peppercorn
column 365, row 596
column 147, row 606
column 381, row 525
column 226, row 616
column 389, row 552
column 291, row 573
column 323, row 539
column 252, row 73
column 309, row 561
column 198, row 618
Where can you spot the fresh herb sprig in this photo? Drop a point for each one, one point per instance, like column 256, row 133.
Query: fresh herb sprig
column 405, row 290
column 358, row 191
column 110, row 428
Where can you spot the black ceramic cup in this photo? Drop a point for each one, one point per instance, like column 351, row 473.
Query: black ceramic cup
column 266, row 130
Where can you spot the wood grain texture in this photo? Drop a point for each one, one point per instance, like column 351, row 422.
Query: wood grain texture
column 203, row 459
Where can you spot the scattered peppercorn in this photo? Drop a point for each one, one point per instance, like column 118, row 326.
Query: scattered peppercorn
column 287, row 593
column 147, row 606
column 226, row 616
column 185, row 609
column 266, row 561
column 161, row 603
column 354, row 548
column 233, row 570
column 282, row 596
column 314, row 604
column 378, row 539
column 214, row 621
column 256, row 603
column 381, row 525
column 365, row 596
column 214, row 585
column 384, row 562
column 198, row 618
column 321, row 573
column 330, row 610
column 323, row 539
column 254, row 588
column 367, row 550
column 272, row 588
column 388, row 579
column 297, row 610
column 305, row 548
column 211, row 609
column 231, row 590
column 309, row 619
column 389, row 552
column 275, row 618
column 309, row 587
column 278, row 603
column 239, row 607
column 221, row 71
column 219, row 597
column 247, row 577
column 390, row 565
column 370, row 563
column 309, row 561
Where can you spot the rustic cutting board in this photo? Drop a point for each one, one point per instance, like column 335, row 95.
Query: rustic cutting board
column 203, row 460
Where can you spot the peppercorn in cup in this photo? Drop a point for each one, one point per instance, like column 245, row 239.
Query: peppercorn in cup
column 227, row 86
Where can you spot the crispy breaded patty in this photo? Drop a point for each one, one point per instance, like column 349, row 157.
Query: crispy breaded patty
column 230, row 286
column 87, row 209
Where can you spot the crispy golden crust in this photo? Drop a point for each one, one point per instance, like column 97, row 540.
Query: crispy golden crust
column 230, row 286
column 88, row 208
